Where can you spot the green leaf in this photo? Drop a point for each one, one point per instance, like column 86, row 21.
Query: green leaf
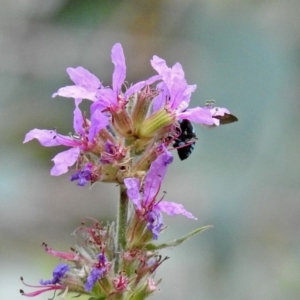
column 177, row 242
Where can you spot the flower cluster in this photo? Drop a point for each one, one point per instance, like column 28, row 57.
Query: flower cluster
column 126, row 129
column 125, row 138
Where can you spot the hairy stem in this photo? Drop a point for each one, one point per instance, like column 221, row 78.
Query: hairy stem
column 121, row 225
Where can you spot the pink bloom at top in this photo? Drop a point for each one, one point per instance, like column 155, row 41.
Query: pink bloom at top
column 83, row 140
column 176, row 93
column 146, row 203
column 113, row 98
column 88, row 86
column 174, row 84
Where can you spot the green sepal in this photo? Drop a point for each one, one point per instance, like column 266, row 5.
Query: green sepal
column 98, row 298
column 176, row 242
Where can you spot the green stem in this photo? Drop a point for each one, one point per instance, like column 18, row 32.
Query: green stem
column 121, row 225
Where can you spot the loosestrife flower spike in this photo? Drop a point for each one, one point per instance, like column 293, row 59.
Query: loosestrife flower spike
column 110, row 120
column 125, row 138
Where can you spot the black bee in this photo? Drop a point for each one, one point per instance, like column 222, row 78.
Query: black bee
column 185, row 142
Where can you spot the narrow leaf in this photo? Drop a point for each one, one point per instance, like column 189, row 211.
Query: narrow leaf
column 178, row 241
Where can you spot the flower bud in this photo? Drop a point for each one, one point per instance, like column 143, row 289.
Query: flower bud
column 157, row 121
column 122, row 123
column 141, row 106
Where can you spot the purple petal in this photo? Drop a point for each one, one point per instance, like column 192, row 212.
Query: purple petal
column 197, row 115
column 66, row 140
column 98, row 122
column 78, row 121
column 155, row 222
column 176, row 88
column 75, row 91
column 188, row 91
column 174, row 79
column 156, row 174
column 219, row 111
column 135, row 88
column 106, row 98
column 138, row 86
column 172, row 209
column 160, row 66
column 64, row 160
column 153, row 79
column 93, row 277
column 177, row 71
column 59, row 272
column 118, row 59
column 46, row 138
column 159, row 165
column 84, row 175
column 133, row 191
column 160, row 100
column 84, row 78
column 97, row 106
column 78, row 101
column 181, row 95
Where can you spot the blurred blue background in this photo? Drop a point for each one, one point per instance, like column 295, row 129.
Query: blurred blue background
column 242, row 178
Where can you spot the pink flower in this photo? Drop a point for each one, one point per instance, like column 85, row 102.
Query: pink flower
column 82, row 140
column 176, row 94
column 146, row 203
column 113, row 98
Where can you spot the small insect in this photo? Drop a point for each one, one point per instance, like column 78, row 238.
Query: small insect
column 185, row 142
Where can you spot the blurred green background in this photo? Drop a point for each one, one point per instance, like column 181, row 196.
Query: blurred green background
column 242, row 178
